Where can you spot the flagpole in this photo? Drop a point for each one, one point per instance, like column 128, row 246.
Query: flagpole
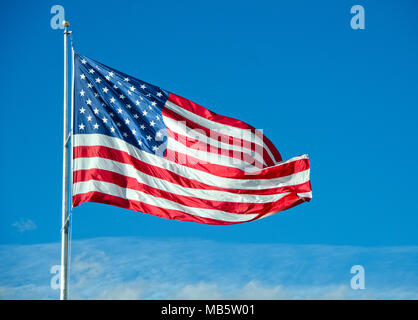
column 65, row 189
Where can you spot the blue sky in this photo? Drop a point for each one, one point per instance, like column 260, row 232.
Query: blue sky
column 295, row 69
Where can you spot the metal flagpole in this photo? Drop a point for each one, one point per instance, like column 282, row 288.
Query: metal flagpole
column 65, row 196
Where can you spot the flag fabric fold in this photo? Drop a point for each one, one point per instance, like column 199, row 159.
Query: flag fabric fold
column 140, row 147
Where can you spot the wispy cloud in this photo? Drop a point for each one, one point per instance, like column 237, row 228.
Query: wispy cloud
column 135, row 268
column 24, row 224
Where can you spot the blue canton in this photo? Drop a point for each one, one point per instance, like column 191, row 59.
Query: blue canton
column 109, row 102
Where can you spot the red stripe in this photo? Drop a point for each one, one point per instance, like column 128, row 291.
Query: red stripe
column 272, row 148
column 94, row 196
column 205, row 113
column 202, row 146
column 224, row 138
column 132, row 183
column 291, row 202
column 212, row 168
column 99, row 197
column 124, row 157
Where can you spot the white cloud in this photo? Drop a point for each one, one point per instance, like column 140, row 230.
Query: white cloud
column 24, row 224
column 255, row 290
column 135, row 268
column 198, row 291
column 122, row 292
column 5, row 292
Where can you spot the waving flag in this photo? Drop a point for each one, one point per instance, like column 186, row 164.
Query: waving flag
column 140, row 147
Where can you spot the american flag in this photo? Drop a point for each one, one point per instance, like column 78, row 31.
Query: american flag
column 140, row 147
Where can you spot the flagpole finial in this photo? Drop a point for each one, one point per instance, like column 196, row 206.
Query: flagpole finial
column 66, row 24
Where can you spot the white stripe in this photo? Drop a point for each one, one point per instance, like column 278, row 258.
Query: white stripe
column 130, row 171
column 218, row 127
column 180, row 128
column 208, row 157
column 191, row 173
column 305, row 195
column 125, row 193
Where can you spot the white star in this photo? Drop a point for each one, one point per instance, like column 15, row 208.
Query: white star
column 105, row 90
column 144, row 112
column 140, row 142
column 107, row 78
column 134, row 132
column 96, row 94
column 136, row 116
column 119, row 110
column 115, row 86
column 96, row 111
column 143, row 86
column 96, row 126
column 149, row 107
column 89, row 118
column 142, row 127
column 158, row 117
column 154, row 148
column 82, row 93
column 154, row 103
column 91, row 71
column 152, row 123
column 132, row 88
column 125, row 134
column 149, row 138
column 89, row 85
column 88, row 101
column 83, row 61
column 81, row 126
column 111, row 114
column 112, row 100
column 130, row 93
column 112, row 129
column 159, row 94
column 82, row 76
column 126, row 79
column 128, row 106
column 98, row 80
column 122, row 96
column 104, row 120
column 118, row 124
column 127, row 121
column 111, row 73
column 159, row 134
column 137, row 102
column 82, row 110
